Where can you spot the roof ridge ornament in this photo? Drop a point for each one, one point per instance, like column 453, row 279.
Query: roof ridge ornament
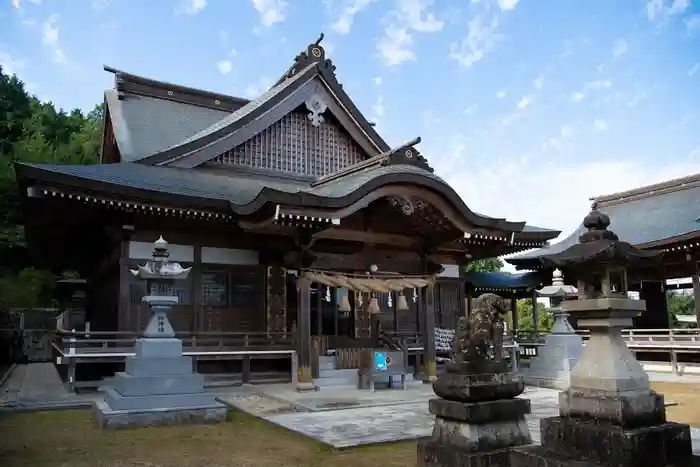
column 314, row 53
column 407, row 154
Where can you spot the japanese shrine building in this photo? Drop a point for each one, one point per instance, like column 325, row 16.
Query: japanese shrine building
column 663, row 216
column 252, row 194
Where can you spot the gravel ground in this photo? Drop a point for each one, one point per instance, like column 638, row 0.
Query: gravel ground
column 260, row 405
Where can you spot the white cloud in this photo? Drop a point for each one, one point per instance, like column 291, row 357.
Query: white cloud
column 620, row 48
column 190, row 7
column 347, row 13
column 599, row 84
column 692, row 23
column 566, row 131
column 271, row 11
column 50, row 39
column 501, row 94
column 408, row 17
column 225, row 66
column 694, row 70
column 378, row 107
column 539, row 82
column 577, row 96
column 506, row 5
column 480, row 39
column 546, row 197
column 254, row 90
column 525, row 101
column 378, row 80
column 394, row 46
column 662, row 10
column 10, row 65
column 17, row 4
column 600, row 125
column 470, row 110
column 99, row 4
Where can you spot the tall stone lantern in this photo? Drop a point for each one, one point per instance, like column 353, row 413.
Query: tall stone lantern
column 609, row 416
column 158, row 386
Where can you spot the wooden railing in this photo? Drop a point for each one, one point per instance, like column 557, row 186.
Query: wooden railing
column 75, row 343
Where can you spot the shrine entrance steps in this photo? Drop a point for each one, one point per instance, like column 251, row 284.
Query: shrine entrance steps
column 330, row 377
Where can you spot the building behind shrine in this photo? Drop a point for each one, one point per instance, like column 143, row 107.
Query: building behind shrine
column 662, row 216
column 252, row 194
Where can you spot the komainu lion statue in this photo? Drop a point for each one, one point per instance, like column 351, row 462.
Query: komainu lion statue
column 479, row 336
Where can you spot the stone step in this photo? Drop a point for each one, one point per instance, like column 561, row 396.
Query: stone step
column 116, row 401
column 337, row 373
column 350, row 379
column 128, row 385
column 326, row 363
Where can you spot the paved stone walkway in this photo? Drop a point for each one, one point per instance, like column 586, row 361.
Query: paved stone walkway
column 400, row 420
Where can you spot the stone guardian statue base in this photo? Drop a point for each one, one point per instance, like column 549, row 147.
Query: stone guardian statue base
column 478, row 418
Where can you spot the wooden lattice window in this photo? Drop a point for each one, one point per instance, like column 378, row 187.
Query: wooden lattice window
column 294, row 145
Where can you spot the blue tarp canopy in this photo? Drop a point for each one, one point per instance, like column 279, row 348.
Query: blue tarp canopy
column 497, row 281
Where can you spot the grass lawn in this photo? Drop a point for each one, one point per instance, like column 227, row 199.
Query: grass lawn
column 70, row 438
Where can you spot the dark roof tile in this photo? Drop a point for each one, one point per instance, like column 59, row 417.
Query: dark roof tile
column 146, row 125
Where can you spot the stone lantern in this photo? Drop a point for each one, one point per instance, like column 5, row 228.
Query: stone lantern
column 160, row 274
column 609, row 416
column 552, row 366
column 158, row 386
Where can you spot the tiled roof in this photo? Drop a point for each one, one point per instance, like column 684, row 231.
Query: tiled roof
column 146, row 125
column 641, row 218
column 498, row 280
column 239, row 190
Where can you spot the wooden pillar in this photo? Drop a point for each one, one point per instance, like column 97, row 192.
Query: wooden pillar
column 197, row 315
column 469, row 301
column 428, row 308
column 319, row 309
column 277, row 301
column 696, row 292
column 125, row 316
column 535, row 314
column 304, row 379
column 514, row 316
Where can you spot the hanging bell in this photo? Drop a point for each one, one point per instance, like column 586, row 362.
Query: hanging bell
column 373, row 306
column 389, row 302
column 401, row 303
column 328, row 294
column 344, row 304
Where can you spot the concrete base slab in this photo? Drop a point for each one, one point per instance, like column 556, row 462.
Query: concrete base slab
column 116, row 419
column 405, row 417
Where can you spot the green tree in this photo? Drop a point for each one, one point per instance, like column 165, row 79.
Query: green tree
column 526, row 321
column 485, row 265
column 35, row 132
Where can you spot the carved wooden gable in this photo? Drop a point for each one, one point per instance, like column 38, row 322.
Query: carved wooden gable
column 307, row 142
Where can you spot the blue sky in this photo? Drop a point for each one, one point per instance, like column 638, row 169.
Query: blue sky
column 527, row 108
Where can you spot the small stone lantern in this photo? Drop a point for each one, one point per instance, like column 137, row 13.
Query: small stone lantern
column 160, row 274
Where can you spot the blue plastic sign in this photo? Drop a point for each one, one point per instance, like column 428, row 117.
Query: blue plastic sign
column 380, row 361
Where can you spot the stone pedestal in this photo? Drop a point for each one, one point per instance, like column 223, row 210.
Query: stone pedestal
column 158, row 386
column 609, row 416
column 477, row 417
column 555, row 360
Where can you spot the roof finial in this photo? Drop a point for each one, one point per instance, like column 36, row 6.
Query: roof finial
column 320, row 38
